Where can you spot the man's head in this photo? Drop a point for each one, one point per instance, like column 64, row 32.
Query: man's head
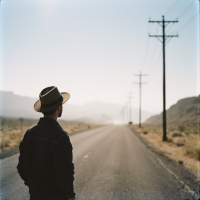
column 51, row 101
column 54, row 113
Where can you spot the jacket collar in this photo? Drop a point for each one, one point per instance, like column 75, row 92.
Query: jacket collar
column 48, row 120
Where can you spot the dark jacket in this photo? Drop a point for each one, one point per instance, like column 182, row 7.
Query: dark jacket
column 45, row 161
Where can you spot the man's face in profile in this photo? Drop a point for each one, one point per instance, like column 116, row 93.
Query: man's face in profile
column 60, row 113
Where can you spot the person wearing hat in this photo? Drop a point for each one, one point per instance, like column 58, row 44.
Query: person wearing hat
column 45, row 162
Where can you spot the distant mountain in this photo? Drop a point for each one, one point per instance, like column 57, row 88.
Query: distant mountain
column 105, row 119
column 84, row 120
column 12, row 105
column 184, row 111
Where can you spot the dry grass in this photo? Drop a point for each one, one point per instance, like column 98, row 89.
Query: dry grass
column 12, row 130
column 182, row 144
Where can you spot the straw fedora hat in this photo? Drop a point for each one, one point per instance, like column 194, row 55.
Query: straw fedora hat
column 50, row 99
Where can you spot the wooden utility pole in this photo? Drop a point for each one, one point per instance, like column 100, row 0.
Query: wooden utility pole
column 164, row 37
column 127, row 112
column 140, row 84
column 124, row 112
column 130, row 122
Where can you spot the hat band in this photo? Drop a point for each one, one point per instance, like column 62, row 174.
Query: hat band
column 51, row 104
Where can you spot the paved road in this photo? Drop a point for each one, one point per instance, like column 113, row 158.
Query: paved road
column 110, row 163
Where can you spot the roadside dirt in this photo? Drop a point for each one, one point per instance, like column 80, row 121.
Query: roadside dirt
column 12, row 130
column 182, row 149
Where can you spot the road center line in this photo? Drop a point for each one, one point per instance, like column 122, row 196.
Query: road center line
column 93, row 148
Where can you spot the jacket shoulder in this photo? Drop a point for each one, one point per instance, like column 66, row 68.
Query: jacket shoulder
column 50, row 131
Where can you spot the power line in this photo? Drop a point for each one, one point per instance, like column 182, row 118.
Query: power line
column 187, row 23
column 181, row 15
column 149, row 64
column 186, row 9
column 164, row 37
column 170, row 26
column 155, row 66
column 146, row 52
column 153, row 50
column 171, row 7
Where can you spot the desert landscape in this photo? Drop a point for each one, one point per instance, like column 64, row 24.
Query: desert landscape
column 12, row 129
column 183, row 144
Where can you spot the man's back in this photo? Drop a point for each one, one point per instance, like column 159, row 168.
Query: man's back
column 45, row 162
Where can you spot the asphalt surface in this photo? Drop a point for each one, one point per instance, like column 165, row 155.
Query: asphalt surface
column 111, row 162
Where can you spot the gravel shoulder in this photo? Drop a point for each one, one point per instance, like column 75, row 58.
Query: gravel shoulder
column 179, row 170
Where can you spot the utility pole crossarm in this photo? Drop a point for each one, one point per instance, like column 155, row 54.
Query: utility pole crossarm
column 140, row 83
column 175, row 21
column 162, row 35
column 163, row 22
column 140, row 74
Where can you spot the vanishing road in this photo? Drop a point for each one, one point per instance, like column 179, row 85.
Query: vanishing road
column 111, row 162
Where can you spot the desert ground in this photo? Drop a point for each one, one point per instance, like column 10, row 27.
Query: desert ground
column 182, row 144
column 13, row 129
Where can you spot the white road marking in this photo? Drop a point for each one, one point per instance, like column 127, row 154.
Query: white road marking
column 184, row 186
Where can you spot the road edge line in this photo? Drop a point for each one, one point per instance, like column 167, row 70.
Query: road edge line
column 184, row 186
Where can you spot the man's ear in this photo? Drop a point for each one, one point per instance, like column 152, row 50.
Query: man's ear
column 59, row 107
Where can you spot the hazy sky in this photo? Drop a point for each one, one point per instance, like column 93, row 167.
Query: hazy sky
column 91, row 49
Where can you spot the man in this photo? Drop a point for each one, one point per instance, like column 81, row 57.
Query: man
column 45, row 161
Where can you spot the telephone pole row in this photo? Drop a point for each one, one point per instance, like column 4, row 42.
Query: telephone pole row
column 164, row 37
column 130, row 122
column 126, row 112
column 140, row 84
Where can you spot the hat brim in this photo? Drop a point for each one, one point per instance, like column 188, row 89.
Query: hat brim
column 38, row 108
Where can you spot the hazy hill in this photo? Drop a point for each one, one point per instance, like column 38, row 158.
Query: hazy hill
column 12, row 105
column 184, row 111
